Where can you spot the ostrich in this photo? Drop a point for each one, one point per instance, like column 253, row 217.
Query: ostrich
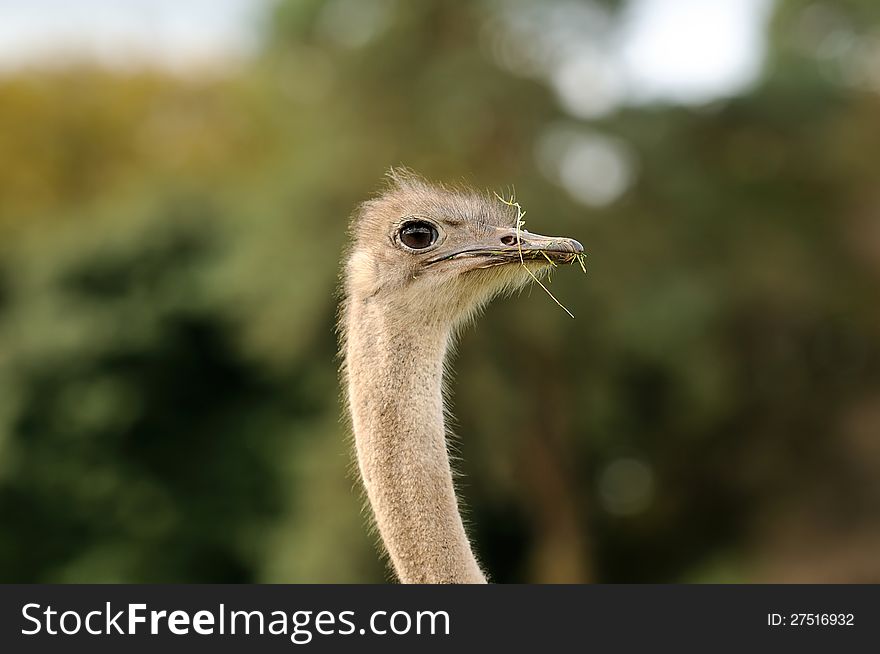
column 423, row 259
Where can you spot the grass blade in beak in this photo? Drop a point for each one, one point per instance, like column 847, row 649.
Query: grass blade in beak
column 519, row 223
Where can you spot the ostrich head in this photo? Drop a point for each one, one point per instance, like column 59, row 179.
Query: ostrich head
column 423, row 258
column 439, row 253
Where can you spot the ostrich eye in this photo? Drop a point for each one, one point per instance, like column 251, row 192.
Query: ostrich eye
column 418, row 235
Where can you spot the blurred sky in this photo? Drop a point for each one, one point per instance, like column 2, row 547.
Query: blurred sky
column 688, row 51
column 172, row 33
column 693, row 50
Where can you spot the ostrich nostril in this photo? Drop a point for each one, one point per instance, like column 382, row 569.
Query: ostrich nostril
column 510, row 239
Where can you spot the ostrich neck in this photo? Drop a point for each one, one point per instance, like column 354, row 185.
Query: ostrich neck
column 395, row 391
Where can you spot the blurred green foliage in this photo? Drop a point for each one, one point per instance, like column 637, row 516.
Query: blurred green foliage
column 169, row 407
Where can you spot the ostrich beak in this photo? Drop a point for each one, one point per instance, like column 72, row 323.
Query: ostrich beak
column 509, row 245
column 534, row 246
